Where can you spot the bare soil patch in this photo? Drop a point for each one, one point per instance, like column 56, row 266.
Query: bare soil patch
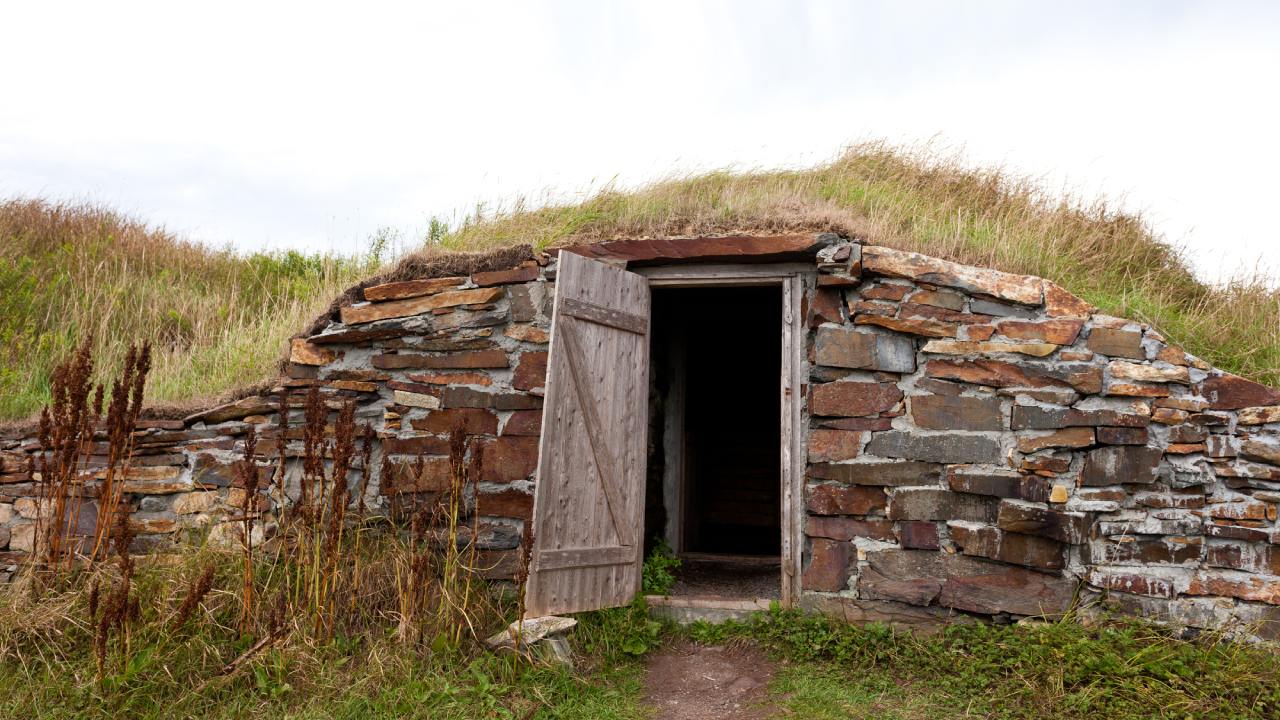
column 688, row 681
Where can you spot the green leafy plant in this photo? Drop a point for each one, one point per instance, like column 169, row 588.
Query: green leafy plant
column 659, row 573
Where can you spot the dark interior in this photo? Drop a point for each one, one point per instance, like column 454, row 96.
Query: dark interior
column 726, row 345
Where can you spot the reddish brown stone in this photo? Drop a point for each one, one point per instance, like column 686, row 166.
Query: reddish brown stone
column 826, row 305
column 358, row 335
column 893, row 293
column 531, row 371
column 1259, row 415
column 1131, row 582
column 1005, row 588
column 474, row 421
column 1029, row 519
column 357, row 314
column 977, row 333
column 940, row 412
column 1116, row 343
column 845, row 348
column 1013, row 548
column 775, row 247
column 420, row 474
column 418, row 388
column 1058, row 332
column 1242, row 510
column 422, row 445
column 457, row 378
column 838, row 280
column 1076, row 437
column 918, row 535
column 1060, row 303
column 1050, row 464
column 939, row 504
column 1166, row 551
column 910, row 310
column 939, row 298
column 1128, row 389
column 1232, row 392
column 998, row 373
column 467, row 360
column 846, row 528
column 872, row 424
column 927, row 328
column 255, row 405
column 1122, row 436
column 302, row 352
column 525, row 273
column 826, row 445
column 1027, row 417
column 1120, row 464
column 523, row 422
column 997, row 483
column 410, row 288
column 454, row 396
column 829, row 566
column 505, row 503
column 509, row 458
column 358, row 386
column 1021, row 289
column 852, row 399
column 1228, row 584
column 882, row 473
column 843, row 499
column 1221, row 529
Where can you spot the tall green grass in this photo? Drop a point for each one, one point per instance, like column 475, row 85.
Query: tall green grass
column 217, row 319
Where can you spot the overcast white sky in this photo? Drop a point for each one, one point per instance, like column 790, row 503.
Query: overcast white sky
column 271, row 125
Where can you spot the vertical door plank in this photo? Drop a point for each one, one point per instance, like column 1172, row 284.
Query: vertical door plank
column 589, row 498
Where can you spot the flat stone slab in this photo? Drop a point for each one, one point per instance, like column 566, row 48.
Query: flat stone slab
column 530, row 631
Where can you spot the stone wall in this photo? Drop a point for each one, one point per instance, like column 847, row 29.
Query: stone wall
column 985, row 443
column 978, row 442
column 419, row 358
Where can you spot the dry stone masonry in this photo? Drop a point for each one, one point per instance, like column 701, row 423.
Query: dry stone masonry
column 978, row 442
column 986, row 443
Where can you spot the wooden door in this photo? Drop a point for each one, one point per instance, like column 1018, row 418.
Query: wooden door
column 589, row 500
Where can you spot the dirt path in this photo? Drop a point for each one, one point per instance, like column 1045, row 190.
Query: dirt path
column 687, row 681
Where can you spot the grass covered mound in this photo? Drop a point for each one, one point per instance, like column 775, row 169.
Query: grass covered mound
column 935, row 204
column 219, row 320
column 216, row 319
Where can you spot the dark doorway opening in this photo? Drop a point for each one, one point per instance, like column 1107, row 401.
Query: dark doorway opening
column 714, row 474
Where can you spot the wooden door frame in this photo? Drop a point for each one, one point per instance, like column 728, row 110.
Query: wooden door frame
column 791, row 278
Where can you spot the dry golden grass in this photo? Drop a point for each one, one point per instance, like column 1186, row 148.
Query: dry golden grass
column 929, row 202
column 216, row 319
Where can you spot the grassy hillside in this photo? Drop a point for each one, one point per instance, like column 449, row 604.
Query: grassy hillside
column 936, row 204
column 217, row 319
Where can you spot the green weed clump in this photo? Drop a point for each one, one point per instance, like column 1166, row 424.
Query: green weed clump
column 658, row 575
column 1065, row 669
